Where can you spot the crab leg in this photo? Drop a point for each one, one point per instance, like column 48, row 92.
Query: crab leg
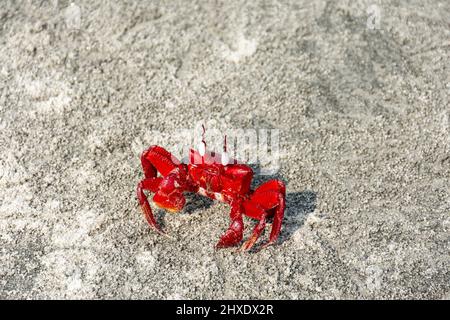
column 234, row 234
column 268, row 200
column 277, row 220
column 154, row 159
column 150, row 184
column 259, row 228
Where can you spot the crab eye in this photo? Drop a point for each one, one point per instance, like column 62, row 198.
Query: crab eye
column 202, row 148
column 225, row 158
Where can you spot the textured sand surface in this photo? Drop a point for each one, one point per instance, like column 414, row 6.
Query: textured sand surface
column 360, row 96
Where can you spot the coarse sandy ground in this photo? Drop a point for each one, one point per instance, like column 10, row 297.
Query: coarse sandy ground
column 358, row 89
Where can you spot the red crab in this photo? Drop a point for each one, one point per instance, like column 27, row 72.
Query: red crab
column 222, row 180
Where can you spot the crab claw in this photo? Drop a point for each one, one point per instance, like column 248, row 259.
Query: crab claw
column 229, row 239
column 151, row 220
column 147, row 211
column 145, row 206
column 232, row 236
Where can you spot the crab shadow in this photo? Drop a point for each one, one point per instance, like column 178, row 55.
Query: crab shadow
column 194, row 202
column 298, row 206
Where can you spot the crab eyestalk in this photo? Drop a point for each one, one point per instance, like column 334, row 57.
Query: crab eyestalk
column 225, row 158
column 202, row 145
column 202, row 148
